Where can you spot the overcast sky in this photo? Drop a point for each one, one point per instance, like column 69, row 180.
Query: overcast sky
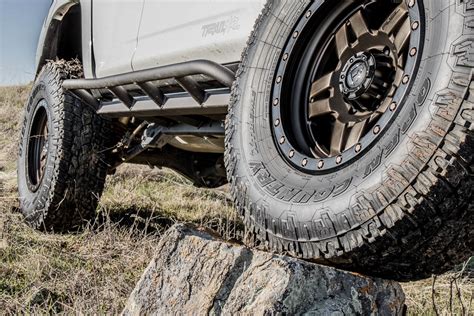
column 20, row 25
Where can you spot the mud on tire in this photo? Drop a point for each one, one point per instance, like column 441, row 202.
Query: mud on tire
column 59, row 189
column 403, row 208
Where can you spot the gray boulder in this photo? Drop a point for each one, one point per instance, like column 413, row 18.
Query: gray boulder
column 194, row 272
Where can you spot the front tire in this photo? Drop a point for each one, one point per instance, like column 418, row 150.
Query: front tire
column 397, row 204
column 62, row 163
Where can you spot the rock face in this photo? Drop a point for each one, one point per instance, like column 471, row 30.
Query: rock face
column 194, row 272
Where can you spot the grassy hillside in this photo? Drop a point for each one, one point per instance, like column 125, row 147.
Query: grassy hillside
column 94, row 270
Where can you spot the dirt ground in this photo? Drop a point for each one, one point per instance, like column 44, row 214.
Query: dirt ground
column 95, row 269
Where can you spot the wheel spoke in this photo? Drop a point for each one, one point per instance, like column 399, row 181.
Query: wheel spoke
column 395, row 19
column 358, row 24
column 384, row 106
column 398, row 76
column 337, row 139
column 403, row 35
column 319, row 108
column 321, row 85
column 355, row 133
column 319, row 152
column 342, row 41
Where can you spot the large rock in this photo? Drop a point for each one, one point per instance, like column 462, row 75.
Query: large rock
column 194, row 272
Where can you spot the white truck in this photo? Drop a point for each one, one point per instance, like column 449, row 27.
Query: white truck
column 344, row 128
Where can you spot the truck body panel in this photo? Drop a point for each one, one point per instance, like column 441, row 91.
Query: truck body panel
column 178, row 31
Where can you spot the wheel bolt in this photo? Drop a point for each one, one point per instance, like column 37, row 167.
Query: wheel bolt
column 285, row 57
column 415, row 25
column 277, row 122
column 308, row 14
column 320, row 164
column 276, row 101
column 393, row 106
column 405, row 79
column 291, row 153
column 376, row 129
column 278, row 79
column 413, row 51
column 338, row 159
column 304, row 162
column 282, row 139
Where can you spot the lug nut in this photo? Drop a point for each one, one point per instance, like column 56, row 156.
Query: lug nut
column 291, row 153
column 304, row 162
column 413, row 51
column 338, row 159
column 376, row 129
column 320, row 164
column 415, row 25
column 276, row 101
column 277, row 122
column 405, row 79
column 282, row 139
column 285, row 57
column 278, row 79
column 358, row 147
column 295, row 34
column 393, row 106
column 308, row 14
column 411, row 3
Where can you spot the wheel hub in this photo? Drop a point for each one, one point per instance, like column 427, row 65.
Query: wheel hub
column 357, row 75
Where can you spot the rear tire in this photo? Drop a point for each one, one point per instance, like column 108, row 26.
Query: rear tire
column 402, row 208
column 61, row 176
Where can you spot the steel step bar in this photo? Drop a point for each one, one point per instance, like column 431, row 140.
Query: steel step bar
column 195, row 100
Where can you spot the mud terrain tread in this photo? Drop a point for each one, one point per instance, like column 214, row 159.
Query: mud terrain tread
column 434, row 214
column 80, row 164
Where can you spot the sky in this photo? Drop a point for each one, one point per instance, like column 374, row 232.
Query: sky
column 20, row 26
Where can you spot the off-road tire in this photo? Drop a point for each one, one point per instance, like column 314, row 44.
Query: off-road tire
column 404, row 210
column 76, row 163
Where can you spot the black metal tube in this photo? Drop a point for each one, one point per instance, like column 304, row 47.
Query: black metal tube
column 123, row 95
column 191, row 86
column 153, row 92
column 195, row 67
column 87, row 97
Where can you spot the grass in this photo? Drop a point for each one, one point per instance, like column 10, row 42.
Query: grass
column 94, row 270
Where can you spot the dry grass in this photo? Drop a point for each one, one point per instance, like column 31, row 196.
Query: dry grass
column 93, row 271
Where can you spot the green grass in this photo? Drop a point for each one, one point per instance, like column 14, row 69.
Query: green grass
column 94, row 270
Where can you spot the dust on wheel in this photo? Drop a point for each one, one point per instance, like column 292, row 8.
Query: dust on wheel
column 342, row 146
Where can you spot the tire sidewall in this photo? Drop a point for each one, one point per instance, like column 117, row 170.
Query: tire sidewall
column 33, row 204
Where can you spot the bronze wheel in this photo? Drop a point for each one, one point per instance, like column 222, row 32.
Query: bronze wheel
column 339, row 84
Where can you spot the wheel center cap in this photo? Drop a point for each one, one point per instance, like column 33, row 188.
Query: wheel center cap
column 357, row 74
